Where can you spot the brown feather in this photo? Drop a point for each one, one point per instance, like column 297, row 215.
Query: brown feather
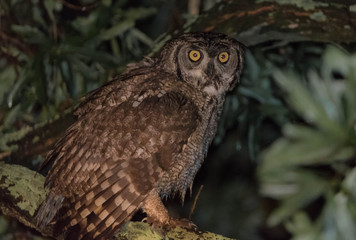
column 142, row 135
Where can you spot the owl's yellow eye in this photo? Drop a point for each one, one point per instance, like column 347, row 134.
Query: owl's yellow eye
column 194, row 55
column 223, row 57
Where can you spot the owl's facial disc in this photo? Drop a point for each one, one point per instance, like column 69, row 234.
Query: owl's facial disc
column 211, row 69
column 210, row 62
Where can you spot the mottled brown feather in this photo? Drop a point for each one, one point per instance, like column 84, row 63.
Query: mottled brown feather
column 143, row 135
column 150, row 135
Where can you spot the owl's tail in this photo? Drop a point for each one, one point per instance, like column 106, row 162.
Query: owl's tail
column 101, row 211
column 48, row 210
column 98, row 227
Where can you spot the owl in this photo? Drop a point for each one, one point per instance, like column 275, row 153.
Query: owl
column 140, row 138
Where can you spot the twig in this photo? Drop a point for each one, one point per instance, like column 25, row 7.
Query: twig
column 195, row 201
column 22, row 46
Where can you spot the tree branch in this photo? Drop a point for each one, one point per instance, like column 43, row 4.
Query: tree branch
column 22, row 192
column 256, row 22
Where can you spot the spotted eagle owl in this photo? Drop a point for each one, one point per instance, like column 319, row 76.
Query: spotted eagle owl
column 139, row 138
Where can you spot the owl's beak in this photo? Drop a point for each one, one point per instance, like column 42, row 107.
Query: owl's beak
column 210, row 70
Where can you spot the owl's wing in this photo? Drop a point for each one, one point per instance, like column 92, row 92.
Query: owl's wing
column 111, row 158
column 119, row 89
column 112, row 94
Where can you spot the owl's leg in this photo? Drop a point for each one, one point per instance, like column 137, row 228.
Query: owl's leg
column 157, row 214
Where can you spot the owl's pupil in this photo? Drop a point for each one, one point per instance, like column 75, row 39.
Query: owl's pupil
column 223, row 56
column 195, row 55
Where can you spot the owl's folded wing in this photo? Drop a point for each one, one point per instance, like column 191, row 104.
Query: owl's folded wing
column 111, row 158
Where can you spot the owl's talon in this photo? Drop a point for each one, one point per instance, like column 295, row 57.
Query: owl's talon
column 173, row 223
column 184, row 223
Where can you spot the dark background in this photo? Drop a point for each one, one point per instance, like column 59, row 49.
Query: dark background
column 52, row 53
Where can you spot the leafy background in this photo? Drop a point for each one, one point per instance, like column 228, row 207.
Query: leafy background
column 282, row 163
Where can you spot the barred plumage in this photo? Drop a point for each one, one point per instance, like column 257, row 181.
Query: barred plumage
column 140, row 137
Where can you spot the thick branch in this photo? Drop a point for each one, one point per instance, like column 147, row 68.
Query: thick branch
column 256, row 22
column 22, row 192
column 39, row 139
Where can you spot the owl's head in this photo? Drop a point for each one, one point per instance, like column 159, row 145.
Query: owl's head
column 212, row 62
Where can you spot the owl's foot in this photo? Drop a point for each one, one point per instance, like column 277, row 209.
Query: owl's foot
column 172, row 223
column 157, row 215
column 184, row 223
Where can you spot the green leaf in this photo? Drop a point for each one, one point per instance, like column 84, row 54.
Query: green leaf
column 7, row 80
column 116, row 30
column 135, row 14
column 20, row 80
column 302, row 227
column 328, row 94
column 99, row 56
column 37, row 16
column 309, row 188
column 349, row 183
column 334, row 59
column 303, row 146
column 32, row 34
column 12, row 115
column 340, row 218
column 325, row 136
column 350, row 95
column 85, row 24
column 142, row 37
column 305, row 103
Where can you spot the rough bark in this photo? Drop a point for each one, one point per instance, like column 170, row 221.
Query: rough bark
column 22, row 192
column 260, row 21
